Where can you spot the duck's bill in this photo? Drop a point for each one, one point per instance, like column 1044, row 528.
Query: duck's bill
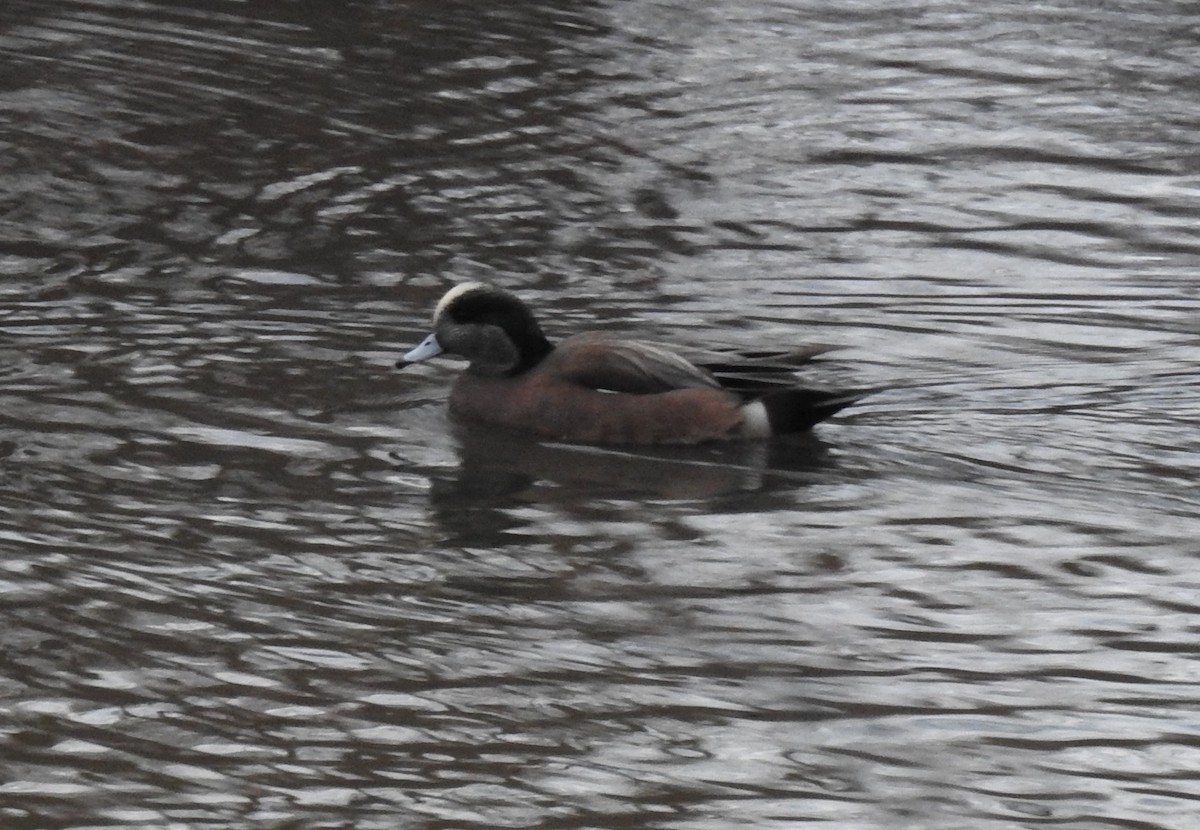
column 429, row 347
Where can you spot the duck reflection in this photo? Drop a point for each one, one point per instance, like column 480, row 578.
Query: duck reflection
column 495, row 464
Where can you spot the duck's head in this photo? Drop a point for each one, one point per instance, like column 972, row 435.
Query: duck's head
column 488, row 326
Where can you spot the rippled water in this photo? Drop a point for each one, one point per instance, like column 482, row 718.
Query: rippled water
column 252, row 576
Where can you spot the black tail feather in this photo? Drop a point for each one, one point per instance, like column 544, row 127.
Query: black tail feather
column 795, row 410
column 753, row 374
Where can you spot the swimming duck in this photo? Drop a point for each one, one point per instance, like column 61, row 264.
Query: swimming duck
column 600, row 389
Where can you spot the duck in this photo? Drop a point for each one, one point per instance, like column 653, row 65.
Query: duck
column 598, row 388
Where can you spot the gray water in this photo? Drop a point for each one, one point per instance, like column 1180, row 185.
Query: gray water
column 251, row 576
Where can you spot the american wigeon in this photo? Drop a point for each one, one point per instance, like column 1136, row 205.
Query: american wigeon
column 599, row 389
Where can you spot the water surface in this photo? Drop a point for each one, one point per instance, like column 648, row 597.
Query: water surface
column 251, row 575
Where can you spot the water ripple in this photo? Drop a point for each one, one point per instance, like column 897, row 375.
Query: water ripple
column 252, row 576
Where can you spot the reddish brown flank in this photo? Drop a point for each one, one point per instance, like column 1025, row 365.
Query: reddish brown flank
column 550, row 407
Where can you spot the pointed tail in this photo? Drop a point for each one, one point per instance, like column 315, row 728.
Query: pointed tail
column 795, row 410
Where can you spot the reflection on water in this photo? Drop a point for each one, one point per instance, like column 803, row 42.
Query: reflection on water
column 251, row 576
column 487, row 459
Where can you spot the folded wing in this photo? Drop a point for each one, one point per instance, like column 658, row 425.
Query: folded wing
column 630, row 366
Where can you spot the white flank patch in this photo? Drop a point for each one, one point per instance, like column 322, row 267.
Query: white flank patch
column 755, row 423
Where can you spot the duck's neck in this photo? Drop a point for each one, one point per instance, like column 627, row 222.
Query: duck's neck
column 532, row 349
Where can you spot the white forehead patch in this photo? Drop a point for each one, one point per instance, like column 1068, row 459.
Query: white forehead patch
column 452, row 295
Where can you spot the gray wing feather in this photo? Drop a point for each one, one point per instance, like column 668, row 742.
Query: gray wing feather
column 630, row 366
